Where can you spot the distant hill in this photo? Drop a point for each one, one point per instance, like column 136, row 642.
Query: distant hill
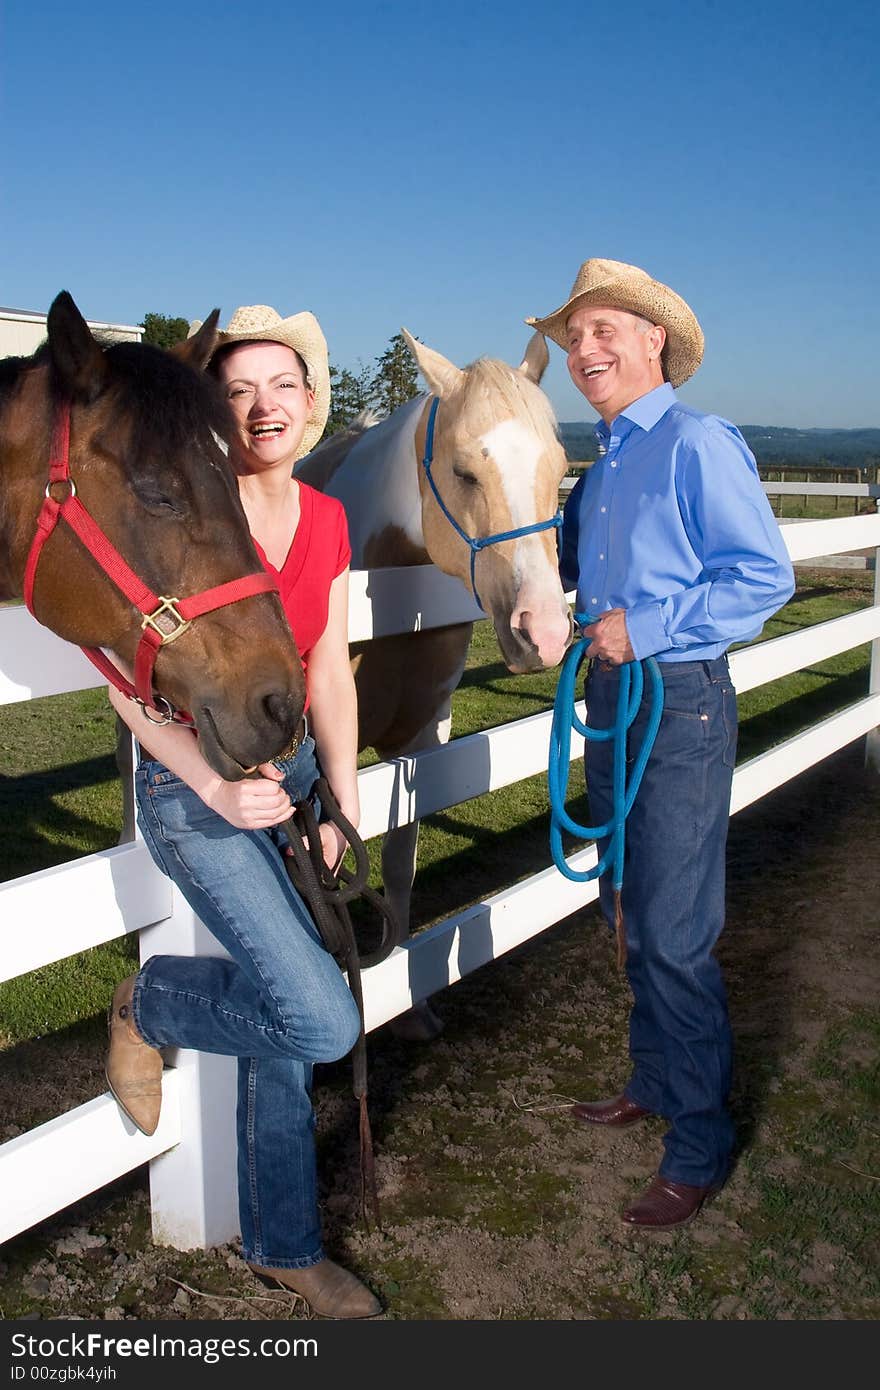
column 771, row 445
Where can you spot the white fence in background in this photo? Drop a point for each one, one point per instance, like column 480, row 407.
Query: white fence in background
column 55, row 913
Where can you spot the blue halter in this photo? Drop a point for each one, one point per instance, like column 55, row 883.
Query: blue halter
column 476, row 543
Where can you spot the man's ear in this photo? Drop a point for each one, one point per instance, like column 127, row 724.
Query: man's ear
column 657, row 339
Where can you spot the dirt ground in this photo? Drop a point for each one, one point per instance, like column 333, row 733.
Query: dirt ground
column 495, row 1204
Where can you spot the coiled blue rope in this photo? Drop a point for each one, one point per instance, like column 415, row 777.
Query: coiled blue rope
column 565, row 718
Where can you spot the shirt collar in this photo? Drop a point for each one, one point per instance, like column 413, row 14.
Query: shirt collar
column 644, row 412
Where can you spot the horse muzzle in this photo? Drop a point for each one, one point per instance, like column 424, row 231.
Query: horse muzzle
column 234, row 739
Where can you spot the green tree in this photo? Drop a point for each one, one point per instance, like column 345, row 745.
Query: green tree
column 349, row 395
column 163, row 331
column 395, row 379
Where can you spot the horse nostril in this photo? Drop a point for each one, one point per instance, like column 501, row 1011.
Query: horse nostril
column 280, row 706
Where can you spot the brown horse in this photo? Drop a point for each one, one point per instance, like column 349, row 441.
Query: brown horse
column 496, row 464
column 147, row 436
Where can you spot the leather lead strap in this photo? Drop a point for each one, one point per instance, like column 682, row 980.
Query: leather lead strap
column 327, row 896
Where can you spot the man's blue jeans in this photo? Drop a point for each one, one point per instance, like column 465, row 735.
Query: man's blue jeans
column 279, row 1005
column 673, row 905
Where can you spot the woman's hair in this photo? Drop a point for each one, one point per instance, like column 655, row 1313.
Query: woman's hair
column 227, row 348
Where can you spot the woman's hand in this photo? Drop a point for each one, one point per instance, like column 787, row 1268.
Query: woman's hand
column 333, row 843
column 254, row 803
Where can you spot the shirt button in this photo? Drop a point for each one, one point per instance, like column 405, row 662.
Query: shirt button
column 594, row 600
column 603, row 509
column 602, row 555
column 614, row 463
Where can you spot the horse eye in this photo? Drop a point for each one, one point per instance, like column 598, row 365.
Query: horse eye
column 160, row 502
column 465, row 477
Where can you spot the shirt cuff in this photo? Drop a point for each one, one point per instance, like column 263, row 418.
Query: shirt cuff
column 647, row 634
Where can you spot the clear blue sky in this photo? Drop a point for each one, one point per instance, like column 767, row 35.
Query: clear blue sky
column 448, row 165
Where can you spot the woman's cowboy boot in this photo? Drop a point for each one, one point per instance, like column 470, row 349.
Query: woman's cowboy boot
column 329, row 1290
column 133, row 1068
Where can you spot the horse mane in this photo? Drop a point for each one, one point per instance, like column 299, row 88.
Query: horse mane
column 488, row 379
column 151, row 379
column 318, row 466
column 344, row 438
column 11, row 369
column 171, row 403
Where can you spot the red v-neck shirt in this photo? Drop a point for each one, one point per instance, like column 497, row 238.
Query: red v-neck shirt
column 318, row 554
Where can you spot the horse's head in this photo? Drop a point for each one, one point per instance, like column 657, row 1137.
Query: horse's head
column 497, row 464
column 149, row 437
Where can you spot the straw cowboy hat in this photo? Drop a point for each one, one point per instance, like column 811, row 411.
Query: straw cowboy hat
column 257, row 323
column 615, row 285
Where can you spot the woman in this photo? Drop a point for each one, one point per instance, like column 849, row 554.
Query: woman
column 281, row 1003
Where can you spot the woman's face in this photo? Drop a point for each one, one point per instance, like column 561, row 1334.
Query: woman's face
column 267, row 391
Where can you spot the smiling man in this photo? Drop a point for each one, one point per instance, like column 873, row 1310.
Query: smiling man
column 675, row 553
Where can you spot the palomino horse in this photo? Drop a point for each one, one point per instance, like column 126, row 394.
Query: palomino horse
column 121, row 525
column 494, row 468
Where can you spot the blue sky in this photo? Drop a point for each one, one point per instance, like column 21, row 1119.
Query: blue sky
column 448, row 166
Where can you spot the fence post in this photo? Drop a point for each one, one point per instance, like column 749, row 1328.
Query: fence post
column 872, row 740
column 193, row 1187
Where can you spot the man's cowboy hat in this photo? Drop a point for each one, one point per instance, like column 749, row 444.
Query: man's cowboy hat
column 257, row 323
column 615, row 285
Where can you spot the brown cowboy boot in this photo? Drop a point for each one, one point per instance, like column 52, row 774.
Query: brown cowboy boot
column 133, row 1068
column 328, row 1289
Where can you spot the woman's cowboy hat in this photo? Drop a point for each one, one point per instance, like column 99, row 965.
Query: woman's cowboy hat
column 259, row 323
column 615, row 285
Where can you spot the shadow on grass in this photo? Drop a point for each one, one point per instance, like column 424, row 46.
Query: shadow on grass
column 47, row 1076
column 38, row 831
column 758, row 732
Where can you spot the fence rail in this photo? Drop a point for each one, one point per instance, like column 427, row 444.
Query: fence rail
column 119, row 890
column 869, row 491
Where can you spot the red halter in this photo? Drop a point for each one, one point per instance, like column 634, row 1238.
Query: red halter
column 165, row 619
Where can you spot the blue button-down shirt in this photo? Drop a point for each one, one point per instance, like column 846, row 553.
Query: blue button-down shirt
column 672, row 525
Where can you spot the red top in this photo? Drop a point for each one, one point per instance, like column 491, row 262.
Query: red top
column 318, row 553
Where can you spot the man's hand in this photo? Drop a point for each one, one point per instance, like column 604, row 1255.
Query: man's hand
column 609, row 638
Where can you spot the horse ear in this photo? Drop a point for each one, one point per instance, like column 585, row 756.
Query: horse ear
column 440, row 374
column 534, row 364
column 198, row 347
column 76, row 357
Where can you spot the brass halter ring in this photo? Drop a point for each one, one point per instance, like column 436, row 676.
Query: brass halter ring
column 166, row 718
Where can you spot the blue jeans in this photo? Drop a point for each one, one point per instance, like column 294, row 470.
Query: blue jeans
column 673, row 905
column 279, row 1005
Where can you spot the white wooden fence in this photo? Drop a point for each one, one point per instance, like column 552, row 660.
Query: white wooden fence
column 55, row 913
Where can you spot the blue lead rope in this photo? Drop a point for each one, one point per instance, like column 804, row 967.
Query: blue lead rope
column 565, row 718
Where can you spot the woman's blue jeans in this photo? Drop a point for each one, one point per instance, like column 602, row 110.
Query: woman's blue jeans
column 673, row 905
column 279, row 1005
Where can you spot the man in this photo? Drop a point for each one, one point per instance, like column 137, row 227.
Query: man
column 675, row 554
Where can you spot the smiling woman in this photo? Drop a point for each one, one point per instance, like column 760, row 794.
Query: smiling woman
column 280, row 1003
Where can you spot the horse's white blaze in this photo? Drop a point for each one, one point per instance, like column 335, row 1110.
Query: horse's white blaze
column 517, row 451
column 538, row 610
